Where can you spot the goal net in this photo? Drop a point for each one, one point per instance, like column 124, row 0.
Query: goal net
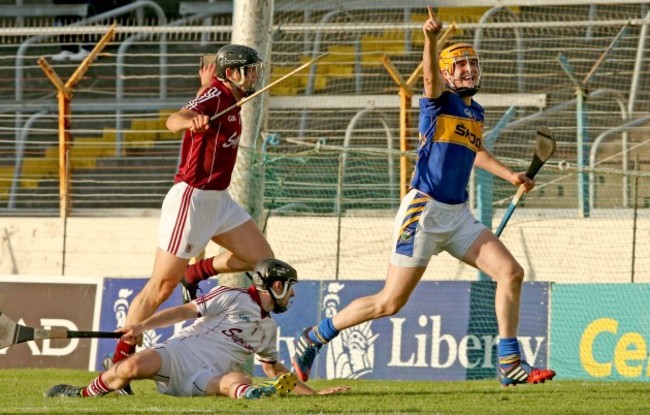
column 351, row 180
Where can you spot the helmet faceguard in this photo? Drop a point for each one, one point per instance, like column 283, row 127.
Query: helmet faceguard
column 468, row 82
column 271, row 270
column 246, row 62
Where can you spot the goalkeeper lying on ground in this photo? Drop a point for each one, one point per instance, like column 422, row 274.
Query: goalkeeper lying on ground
column 204, row 358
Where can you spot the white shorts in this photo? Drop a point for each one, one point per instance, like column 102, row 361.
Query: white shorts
column 182, row 374
column 424, row 227
column 190, row 217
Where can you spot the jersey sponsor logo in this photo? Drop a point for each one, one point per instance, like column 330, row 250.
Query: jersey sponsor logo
column 233, row 334
column 232, row 141
column 232, row 118
column 462, row 131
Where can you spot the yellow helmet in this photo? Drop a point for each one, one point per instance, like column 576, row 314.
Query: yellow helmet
column 454, row 53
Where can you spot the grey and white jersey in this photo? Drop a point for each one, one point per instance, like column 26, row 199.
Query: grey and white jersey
column 231, row 326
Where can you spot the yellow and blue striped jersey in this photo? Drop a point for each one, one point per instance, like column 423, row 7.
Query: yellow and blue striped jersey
column 451, row 134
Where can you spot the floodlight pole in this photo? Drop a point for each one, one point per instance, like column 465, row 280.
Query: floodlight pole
column 582, row 133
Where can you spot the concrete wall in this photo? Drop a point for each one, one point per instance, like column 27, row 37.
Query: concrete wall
column 550, row 249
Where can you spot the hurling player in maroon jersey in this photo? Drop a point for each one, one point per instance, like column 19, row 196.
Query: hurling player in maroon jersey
column 198, row 208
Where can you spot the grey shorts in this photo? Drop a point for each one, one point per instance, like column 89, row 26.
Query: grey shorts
column 424, row 227
column 181, row 374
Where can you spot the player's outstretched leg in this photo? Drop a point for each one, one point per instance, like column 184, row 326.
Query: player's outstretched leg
column 107, row 363
column 279, row 386
column 515, row 371
column 306, row 351
column 60, row 391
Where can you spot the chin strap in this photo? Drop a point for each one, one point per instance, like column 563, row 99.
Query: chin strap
column 277, row 308
column 238, row 88
column 466, row 92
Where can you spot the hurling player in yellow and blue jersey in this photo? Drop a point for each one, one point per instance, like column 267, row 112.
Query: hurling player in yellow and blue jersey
column 434, row 216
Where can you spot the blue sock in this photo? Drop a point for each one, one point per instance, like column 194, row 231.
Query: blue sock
column 324, row 332
column 509, row 347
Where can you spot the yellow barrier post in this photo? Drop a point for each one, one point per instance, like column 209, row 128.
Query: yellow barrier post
column 64, row 96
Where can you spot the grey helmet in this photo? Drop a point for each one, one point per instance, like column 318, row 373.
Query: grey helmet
column 243, row 59
column 270, row 270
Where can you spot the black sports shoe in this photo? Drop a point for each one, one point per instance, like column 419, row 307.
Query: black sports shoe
column 189, row 291
column 63, row 391
column 106, row 364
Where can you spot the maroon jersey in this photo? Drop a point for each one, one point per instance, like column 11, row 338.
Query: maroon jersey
column 208, row 158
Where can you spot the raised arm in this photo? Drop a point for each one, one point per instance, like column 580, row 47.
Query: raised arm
column 434, row 83
column 206, row 73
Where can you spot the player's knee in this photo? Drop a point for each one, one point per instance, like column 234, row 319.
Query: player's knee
column 388, row 307
column 516, row 274
column 127, row 369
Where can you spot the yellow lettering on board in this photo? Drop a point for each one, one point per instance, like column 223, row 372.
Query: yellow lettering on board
column 593, row 330
column 630, row 348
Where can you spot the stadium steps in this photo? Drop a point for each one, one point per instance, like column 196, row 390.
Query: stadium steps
column 33, row 170
column 340, row 64
column 115, row 182
column 6, row 176
column 89, row 158
column 134, row 181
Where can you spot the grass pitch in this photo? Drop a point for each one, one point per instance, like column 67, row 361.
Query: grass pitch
column 21, row 391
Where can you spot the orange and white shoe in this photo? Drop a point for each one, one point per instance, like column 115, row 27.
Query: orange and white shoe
column 519, row 371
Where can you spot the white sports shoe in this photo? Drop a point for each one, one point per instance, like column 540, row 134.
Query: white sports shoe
column 62, row 56
column 79, row 56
